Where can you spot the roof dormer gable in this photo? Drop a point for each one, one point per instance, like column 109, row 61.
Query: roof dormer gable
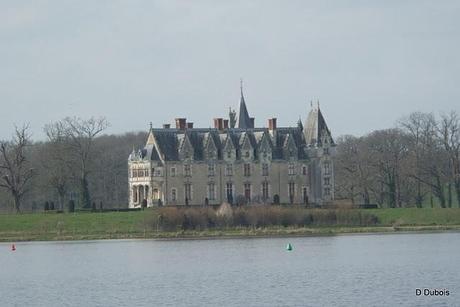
column 186, row 150
column 229, row 150
column 210, row 148
column 265, row 147
column 290, row 149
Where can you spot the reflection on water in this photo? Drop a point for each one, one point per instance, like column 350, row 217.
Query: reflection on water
column 355, row 270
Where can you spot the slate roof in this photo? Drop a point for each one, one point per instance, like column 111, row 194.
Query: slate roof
column 316, row 128
column 166, row 144
column 169, row 142
column 244, row 121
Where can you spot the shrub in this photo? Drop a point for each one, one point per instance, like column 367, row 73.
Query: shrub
column 71, row 205
column 170, row 218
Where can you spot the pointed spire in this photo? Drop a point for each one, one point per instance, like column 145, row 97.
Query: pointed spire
column 150, row 138
column 315, row 127
column 244, row 121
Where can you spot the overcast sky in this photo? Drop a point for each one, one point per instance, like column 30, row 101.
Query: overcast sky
column 368, row 62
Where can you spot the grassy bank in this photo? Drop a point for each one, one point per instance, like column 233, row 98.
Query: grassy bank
column 143, row 224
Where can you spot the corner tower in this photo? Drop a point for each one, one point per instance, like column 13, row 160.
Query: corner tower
column 321, row 148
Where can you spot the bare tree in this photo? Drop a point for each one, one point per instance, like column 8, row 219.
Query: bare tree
column 78, row 136
column 57, row 170
column 15, row 172
column 389, row 149
column 421, row 129
column 449, row 129
column 353, row 168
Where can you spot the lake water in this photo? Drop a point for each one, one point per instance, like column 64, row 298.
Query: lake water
column 351, row 270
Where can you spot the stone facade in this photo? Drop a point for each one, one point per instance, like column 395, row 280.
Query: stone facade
column 244, row 164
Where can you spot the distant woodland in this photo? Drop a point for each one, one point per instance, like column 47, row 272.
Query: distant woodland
column 416, row 163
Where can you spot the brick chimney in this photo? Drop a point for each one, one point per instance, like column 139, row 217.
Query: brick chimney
column 181, row 123
column 272, row 124
column 252, row 122
column 189, row 125
column 219, row 124
column 225, row 123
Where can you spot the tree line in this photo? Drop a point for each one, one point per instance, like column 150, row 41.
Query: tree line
column 76, row 162
column 415, row 163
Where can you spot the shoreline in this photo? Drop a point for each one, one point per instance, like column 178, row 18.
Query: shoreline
column 242, row 233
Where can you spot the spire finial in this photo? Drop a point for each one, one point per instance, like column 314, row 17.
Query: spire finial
column 151, row 126
column 241, row 86
column 317, row 103
column 311, row 104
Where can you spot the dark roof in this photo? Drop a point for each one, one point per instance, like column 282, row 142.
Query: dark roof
column 169, row 141
column 316, row 129
column 244, row 121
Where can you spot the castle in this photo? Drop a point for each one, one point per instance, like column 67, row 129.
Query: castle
column 236, row 163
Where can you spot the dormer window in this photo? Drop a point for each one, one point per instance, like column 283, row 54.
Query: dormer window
column 187, row 170
column 211, row 169
column 229, row 154
column 291, row 169
column 247, row 153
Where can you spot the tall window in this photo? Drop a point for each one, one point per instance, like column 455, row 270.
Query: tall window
column 247, row 169
column 304, row 170
column 173, row 194
column 229, row 154
column 141, row 173
column 265, row 195
column 188, row 191
column 265, row 169
column 134, row 173
column 326, row 150
column 229, row 191
column 327, row 191
column 187, row 170
column 157, row 172
column 291, row 191
column 173, row 171
column 291, row 169
column 327, row 181
column 211, row 191
column 305, row 195
column 229, row 170
column 247, row 191
column 327, row 168
column 211, row 169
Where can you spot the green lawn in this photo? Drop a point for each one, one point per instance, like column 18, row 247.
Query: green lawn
column 414, row 216
column 80, row 226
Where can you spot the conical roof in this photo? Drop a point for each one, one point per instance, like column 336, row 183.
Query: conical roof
column 244, row 121
column 315, row 128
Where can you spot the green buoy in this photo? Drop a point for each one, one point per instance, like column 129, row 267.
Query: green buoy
column 289, row 247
